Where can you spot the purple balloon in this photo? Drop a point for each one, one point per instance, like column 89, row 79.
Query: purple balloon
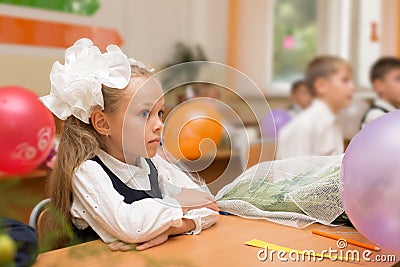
column 274, row 121
column 371, row 181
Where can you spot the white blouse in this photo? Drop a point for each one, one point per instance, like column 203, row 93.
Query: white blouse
column 98, row 204
column 375, row 113
column 314, row 132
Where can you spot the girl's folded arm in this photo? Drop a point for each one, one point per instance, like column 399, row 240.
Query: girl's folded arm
column 173, row 176
column 103, row 208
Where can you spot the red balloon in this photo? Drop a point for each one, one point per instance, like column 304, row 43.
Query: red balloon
column 27, row 130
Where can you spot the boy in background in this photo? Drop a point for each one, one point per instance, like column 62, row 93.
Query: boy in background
column 316, row 131
column 385, row 79
column 300, row 97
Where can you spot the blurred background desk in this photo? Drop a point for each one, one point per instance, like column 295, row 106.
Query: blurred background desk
column 220, row 245
column 20, row 193
column 228, row 164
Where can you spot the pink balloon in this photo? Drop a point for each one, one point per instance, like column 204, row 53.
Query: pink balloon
column 371, row 181
column 26, row 132
column 274, row 121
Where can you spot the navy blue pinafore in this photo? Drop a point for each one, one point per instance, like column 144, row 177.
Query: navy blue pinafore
column 130, row 195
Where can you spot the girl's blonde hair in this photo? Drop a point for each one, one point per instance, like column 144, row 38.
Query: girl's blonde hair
column 79, row 142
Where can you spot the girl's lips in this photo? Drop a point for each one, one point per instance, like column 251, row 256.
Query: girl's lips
column 157, row 140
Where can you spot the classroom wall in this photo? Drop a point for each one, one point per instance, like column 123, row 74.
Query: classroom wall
column 153, row 27
column 30, row 66
column 250, row 41
column 390, row 25
column 150, row 30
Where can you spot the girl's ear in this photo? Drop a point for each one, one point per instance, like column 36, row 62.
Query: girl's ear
column 100, row 122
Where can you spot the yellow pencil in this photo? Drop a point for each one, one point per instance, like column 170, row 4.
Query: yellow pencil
column 349, row 241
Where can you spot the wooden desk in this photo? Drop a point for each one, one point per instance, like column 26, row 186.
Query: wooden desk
column 221, row 245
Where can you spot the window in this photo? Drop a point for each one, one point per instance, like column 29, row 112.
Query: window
column 295, row 38
column 300, row 30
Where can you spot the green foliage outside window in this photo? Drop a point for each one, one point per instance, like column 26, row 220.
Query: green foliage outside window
column 297, row 19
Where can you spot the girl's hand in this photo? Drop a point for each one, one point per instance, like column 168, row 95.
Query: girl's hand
column 187, row 225
column 122, row 246
column 195, row 199
column 213, row 206
column 158, row 240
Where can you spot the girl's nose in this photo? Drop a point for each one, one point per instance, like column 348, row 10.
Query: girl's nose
column 158, row 124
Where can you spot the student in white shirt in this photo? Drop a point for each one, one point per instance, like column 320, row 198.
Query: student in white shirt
column 385, row 80
column 108, row 179
column 316, row 131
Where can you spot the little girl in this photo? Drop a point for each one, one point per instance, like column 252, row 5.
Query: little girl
column 108, row 180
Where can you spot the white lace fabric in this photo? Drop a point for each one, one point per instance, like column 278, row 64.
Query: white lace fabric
column 295, row 192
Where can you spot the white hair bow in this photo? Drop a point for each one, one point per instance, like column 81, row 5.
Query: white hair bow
column 76, row 85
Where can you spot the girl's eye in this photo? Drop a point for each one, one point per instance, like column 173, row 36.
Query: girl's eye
column 161, row 114
column 144, row 114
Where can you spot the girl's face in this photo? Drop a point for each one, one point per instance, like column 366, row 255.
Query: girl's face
column 136, row 127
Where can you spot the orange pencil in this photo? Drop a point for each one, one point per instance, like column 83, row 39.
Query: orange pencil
column 349, row 241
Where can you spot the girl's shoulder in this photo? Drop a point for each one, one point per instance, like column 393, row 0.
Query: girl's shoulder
column 161, row 164
column 173, row 173
column 157, row 159
column 88, row 168
column 89, row 163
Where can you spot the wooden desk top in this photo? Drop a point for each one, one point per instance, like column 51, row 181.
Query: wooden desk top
column 220, row 245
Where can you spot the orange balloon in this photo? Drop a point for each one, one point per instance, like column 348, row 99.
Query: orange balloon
column 188, row 125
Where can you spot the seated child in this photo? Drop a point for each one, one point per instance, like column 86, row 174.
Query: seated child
column 385, row 79
column 300, row 97
column 317, row 131
column 108, row 180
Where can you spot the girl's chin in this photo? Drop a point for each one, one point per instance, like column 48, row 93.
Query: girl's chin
column 148, row 153
column 151, row 153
